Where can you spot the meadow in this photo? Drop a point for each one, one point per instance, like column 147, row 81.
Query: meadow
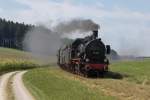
column 53, row 84
column 126, row 80
column 12, row 59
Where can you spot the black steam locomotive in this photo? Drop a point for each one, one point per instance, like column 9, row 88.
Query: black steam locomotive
column 85, row 56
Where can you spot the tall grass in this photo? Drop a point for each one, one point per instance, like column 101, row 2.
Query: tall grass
column 11, row 59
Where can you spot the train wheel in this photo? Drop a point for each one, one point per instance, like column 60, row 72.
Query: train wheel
column 101, row 74
column 106, row 70
column 86, row 74
column 73, row 69
column 77, row 69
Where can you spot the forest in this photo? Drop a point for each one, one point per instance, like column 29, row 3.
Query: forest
column 12, row 33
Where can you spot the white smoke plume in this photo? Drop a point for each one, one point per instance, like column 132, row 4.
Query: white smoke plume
column 43, row 42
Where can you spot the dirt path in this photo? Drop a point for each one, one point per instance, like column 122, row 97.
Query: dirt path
column 18, row 89
column 3, row 85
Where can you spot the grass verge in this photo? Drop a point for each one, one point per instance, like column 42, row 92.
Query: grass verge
column 51, row 84
column 56, row 84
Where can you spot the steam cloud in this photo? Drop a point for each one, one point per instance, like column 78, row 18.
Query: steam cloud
column 41, row 40
column 44, row 42
column 76, row 25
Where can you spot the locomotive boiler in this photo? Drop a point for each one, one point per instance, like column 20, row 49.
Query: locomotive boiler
column 85, row 56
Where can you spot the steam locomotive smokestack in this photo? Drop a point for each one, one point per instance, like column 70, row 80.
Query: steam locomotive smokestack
column 95, row 34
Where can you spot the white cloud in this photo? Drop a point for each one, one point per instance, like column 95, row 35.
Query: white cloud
column 46, row 10
column 120, row 26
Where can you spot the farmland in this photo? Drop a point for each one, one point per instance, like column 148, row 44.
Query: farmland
column 11, row 60
column 134, row 71
column 54, row 84
column 126, row 80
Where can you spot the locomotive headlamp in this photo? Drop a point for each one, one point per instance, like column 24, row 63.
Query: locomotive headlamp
column 87, row 60
column 105, row 60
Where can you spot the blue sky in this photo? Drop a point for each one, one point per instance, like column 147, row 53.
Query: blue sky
column 9, row 5
column 135, row 5
column 124, row 23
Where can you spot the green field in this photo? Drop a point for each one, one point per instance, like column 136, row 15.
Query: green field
column 54, row 84
column 127, row 80
column 134, row 71
column 11, row 59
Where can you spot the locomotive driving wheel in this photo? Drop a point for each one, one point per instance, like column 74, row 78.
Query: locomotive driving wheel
column 86, row 73
column 77, row 69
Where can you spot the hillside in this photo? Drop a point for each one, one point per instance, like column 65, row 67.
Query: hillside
column 12, row 59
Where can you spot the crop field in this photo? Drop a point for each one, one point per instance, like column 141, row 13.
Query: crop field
column 54, row 84
column 127, row 80
column 134, row 71
column 11, row 59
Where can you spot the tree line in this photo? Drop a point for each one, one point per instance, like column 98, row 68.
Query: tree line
column 12, row 33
